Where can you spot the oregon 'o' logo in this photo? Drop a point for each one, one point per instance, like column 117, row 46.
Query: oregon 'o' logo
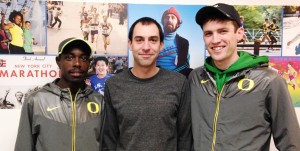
column 93, row 107
column 250, row 86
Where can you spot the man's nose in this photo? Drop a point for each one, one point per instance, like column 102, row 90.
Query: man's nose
column 215, row 38
column 146, row 45
column 77, row 62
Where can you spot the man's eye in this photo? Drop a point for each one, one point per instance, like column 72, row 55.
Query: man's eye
column 224, row 31
column 138, row 40
column 69, row 58
column 207, row 34
column 85, row 58
column 153, row 40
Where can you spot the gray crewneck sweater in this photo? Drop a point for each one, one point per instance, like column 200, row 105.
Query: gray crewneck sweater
column 147, row 114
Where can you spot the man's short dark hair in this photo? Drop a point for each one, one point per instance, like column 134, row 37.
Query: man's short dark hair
column 146, row 21
column 100, row 59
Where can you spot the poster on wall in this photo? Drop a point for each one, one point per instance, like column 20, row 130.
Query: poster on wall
column 289, row 69
column 102, row 68
column 23, row 27
column 21, row 75
column 188, row 51
column 262, row 24
column 103, row 25
column 291, row 31
column 113, row 65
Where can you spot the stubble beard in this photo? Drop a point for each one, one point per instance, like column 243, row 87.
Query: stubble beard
column 168, row 29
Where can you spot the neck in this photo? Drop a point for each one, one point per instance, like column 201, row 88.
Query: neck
column 221, row 65
column 74, row 87
column 101, row 75
column 170, row 33
column 144, row 72
column 225, row 64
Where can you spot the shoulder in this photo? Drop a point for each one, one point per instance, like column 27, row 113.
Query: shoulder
column 37, row 95
column 93, row 95
column 265, row 77
column 118, row 77
column 197, row 70
column 181, row 39
column 109, row 75
column 264, row 72
column 171, row 80
column 10, row 25
column 197, row 73
column 96, row 95
column 94, row 76
column 174, row 76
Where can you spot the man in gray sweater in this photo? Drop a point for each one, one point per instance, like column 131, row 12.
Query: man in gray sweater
column 148, row 107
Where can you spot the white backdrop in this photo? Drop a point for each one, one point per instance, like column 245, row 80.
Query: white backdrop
column 10, row 118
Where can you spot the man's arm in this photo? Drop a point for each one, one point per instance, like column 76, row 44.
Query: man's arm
column 183, row 64
column 2, row 20
column 295, row 73
column 284, row 124
column 294, row 39
column 24, row 15
column 184, row 120
column 3, row 25
column 4, row 99
column 111, row 132
column 26, row 140
column 110, row 27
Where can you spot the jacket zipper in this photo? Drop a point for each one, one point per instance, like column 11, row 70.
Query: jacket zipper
column 216, row 119
column 73, row 119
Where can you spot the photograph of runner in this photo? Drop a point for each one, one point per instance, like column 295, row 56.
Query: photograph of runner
column 103, row 25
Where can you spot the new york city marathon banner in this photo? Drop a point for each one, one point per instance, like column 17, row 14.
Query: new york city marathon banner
column 21, row 75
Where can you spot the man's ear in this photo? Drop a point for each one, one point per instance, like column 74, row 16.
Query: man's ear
column 130, row 44
column 57, row 59
column 161, row 47
column 240, row 33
